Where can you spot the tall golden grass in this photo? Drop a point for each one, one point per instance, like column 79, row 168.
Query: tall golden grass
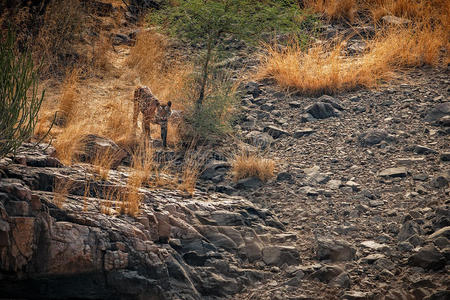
column 247, row 164
column 412, row 9
column 325, row 69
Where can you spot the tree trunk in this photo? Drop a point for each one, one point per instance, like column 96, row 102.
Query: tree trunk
column 204, row 75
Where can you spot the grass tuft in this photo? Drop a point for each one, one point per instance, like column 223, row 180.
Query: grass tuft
column 252, row 165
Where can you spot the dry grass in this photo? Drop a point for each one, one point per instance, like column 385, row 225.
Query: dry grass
column 322, row 69
column 417, row 10
column 102, row 163
column 252, row 165
column 334, row 9
column 61, row 188
column 191, row 170
column 67, row 143
column 69, row 97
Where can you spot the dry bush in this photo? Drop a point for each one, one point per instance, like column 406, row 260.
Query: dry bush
column 119, row 125
column 321, row 70
column 252, row 165
column 61, row 188
column 67, row 144
column 102, row 163
column 61, row 27
column 193, row 160
column 69, row 97
column 100, row 59
column 334, row 9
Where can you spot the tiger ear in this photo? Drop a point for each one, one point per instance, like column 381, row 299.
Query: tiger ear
column 169, row 104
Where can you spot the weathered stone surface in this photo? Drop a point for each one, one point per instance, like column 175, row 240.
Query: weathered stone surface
column 428, row 257
column 275, row 132
column 214, row 168
column 437, row 112
column 334, row 250
column 175, row 248
column 321, row 110
column 259, row 139
column 394, row 172
column 279, row 255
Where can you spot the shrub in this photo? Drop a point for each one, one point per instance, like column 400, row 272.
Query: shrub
column 19, row 98
column 322, row 69
column 252, row 165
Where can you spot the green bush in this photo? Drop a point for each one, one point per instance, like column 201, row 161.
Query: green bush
column 209, row 22
column 212, row 120
column 19, row 99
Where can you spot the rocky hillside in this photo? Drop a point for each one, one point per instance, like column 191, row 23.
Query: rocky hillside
column 359, row 208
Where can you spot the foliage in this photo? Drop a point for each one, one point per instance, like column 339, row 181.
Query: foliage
column 209, row 22
column 19, row 98
column 212, row 119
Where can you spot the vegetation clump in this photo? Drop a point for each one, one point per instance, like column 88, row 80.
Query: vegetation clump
column 20, row 100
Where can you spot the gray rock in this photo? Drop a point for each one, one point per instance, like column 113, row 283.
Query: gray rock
column 419, row 149
column 409, row 228
column 334, row 250
column 445, row 156
column 259, row 139
column 249, row 183
column 304, row 118
column 428, row 257
column 394, row 172
column 253, row 88
column 321, row 110
column 331, row 100
column 279, row 255
column 214, row 168
column 275, row 132
column 284, row 176
column 445, row 232
column 439, row 111
column 303, row 132
column 439, row 182
column 333, row 275
column 356, row 295
column 295, row 104
column 373, row 137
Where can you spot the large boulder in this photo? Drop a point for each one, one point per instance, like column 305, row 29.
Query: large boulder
column 94, row 147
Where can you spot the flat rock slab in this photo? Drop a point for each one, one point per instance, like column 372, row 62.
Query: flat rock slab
column 279, row 255
column 394, row 172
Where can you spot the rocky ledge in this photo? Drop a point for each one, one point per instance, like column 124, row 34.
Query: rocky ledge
column 205, row 247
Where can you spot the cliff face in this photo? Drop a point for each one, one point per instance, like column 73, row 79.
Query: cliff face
column 209, row 246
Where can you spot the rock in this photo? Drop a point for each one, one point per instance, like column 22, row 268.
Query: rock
column 303, row 132
column 259, row 139
column 306, row 118
column 356, row 295
column 393, row 20
column 334, row 250
column 321, row 110
column 121, row 39
column 334, row 184
column 408, row 229
column 333, row 275
column 445, row 232
column 439, row 295
column 275, row 132
column 445, row 156
column 439, row 182
column 373, row 245
column 331, row 100
column 393, row 172
column 373, row 137
column 284, row 176
column 419, row 149
column 439, row 111
column 279, row 255
column 253, row 88
column 214, row 168
column 428, row 257
column 408, row 161
column 295, row 104
column 249, row 183
column 93, row 145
